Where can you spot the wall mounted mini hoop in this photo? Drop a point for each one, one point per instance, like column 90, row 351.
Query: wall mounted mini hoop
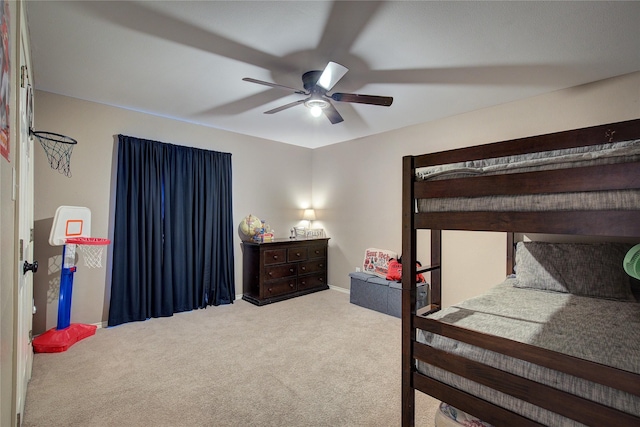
column 58, row 149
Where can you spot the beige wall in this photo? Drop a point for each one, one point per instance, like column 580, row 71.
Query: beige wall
column 270, row 180
column 355, row 185
column 367, row 213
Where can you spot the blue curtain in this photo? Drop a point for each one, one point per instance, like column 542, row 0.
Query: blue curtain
column 173, row 237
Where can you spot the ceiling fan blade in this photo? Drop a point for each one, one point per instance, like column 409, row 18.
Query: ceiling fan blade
column 332, row 114
column 384, row 101
column 284, row 107
column 332, row 73
column 261, row 82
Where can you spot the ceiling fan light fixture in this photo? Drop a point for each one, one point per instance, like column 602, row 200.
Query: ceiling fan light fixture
column 316, row 84
column 316, row 105
column 315, row 111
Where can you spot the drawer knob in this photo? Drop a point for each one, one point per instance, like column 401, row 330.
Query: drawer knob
column 317, row 252
column 275, row 257
column 270, row 273
column 321, row 265
column 320, row 279
column 298, row 254
column 303, row 268
column 291, row 270
column 291, row 285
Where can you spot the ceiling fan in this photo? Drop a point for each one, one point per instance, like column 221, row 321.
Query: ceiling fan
column 317, row 84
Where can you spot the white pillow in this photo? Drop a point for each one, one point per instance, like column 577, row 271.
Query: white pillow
column 376, row 261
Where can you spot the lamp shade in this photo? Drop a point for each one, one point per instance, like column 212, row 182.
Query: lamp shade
column 309, row 215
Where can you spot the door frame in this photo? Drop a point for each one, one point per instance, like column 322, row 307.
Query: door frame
column 24, row 214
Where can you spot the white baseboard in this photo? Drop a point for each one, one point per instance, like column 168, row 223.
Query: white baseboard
column 339, row 289
column 238, row 297
column 335, row 288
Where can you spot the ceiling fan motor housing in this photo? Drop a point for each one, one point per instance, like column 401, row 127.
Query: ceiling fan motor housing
column 309, row 81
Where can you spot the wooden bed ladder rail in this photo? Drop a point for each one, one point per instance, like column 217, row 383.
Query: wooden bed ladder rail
column 522, row 388
column 427, row 269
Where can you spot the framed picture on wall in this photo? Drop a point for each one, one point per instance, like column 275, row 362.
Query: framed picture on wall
column 5, row 71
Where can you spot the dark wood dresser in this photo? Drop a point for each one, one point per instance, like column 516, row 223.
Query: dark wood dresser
column 283, row 269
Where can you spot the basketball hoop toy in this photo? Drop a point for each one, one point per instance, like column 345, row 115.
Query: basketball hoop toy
column 71, row 229
column 91, row 248
column 58, row 149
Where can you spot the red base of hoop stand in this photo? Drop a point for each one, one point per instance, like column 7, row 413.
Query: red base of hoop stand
column 59, row 340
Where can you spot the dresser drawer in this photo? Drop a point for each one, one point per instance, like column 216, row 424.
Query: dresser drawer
column 279, row 287
column 297, row 254
column 312, row 281
column 317, row 251
column 319, row 265
column 280, row 271
column 275, row 256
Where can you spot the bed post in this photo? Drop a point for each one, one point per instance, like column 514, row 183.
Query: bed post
column 435, row 294
column 510, row 253
column 409, row 255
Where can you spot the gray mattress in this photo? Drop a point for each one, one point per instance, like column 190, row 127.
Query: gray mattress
column 602, row 331
column 621, row 152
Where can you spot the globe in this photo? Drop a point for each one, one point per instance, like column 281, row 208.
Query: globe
column 250, row 226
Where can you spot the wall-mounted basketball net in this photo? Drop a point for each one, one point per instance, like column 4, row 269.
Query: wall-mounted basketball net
column 71, row 229
column 58, row 149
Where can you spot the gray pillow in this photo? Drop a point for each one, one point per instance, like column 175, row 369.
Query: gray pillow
column 592, row 269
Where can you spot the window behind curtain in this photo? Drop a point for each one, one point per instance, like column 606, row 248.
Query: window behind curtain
column 173, row 237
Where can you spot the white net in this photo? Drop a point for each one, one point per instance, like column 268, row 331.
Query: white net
column 92, row 255
column 92, row 250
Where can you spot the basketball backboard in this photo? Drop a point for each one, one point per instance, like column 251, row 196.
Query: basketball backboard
column 68, row 222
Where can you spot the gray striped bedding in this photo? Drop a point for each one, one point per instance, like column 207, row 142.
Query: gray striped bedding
column 620, row 152
column 603, row 331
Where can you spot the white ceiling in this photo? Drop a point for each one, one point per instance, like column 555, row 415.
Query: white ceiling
column 185, row 59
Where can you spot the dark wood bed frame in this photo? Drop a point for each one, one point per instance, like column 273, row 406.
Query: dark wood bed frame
column 595, row 223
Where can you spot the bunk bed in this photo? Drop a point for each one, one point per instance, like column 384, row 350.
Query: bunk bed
column 556, row 183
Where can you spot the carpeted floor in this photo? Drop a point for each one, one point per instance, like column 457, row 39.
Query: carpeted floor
column 315, row 360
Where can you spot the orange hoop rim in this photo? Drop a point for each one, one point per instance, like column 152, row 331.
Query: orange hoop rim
column 92, row 241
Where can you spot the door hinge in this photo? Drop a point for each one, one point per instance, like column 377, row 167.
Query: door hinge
column 31, row 235
column 30, row 336
column 23, row 75
column 21, row 250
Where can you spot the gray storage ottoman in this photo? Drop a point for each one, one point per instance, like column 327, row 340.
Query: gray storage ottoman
column 369, row 291
column 394, row 303
column 382, row 295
